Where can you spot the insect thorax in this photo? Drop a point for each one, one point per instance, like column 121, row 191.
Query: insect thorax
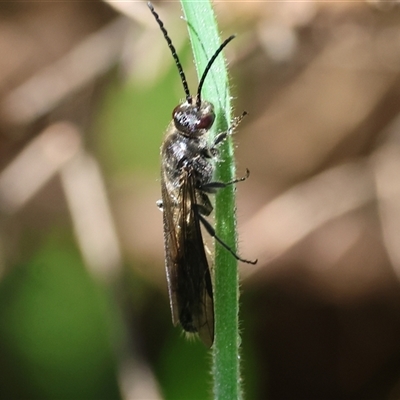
column 184, row 153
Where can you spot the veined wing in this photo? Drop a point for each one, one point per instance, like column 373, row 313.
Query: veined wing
column 188, row 274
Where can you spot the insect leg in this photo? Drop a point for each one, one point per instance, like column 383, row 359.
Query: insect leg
column 212, row 233
column 223, row 135
column 213, row 186
column 203, row 203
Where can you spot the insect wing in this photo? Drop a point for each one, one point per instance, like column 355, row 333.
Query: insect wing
column 171, row 244
column 188, row 274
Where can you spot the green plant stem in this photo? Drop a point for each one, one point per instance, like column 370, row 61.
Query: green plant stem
column 205, row 40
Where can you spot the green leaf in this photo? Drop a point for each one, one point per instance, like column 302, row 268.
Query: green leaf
column 205, row 40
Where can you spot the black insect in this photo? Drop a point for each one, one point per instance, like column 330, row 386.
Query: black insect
column 186, row 180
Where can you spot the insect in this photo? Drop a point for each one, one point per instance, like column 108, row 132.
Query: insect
column 186, row 180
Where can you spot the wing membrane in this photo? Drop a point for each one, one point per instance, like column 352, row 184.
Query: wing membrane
column 188, row 274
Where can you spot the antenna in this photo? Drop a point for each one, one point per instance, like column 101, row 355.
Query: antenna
column 208, row 67
column 173, row 51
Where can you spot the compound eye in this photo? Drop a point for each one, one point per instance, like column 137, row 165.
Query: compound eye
column 190, row 121
column 206, row 121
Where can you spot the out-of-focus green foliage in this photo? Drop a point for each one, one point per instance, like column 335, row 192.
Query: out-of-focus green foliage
column 131, row 123
column 56, row 330
column 183, row 369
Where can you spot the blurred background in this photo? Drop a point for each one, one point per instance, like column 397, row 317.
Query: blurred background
column 86, row 91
